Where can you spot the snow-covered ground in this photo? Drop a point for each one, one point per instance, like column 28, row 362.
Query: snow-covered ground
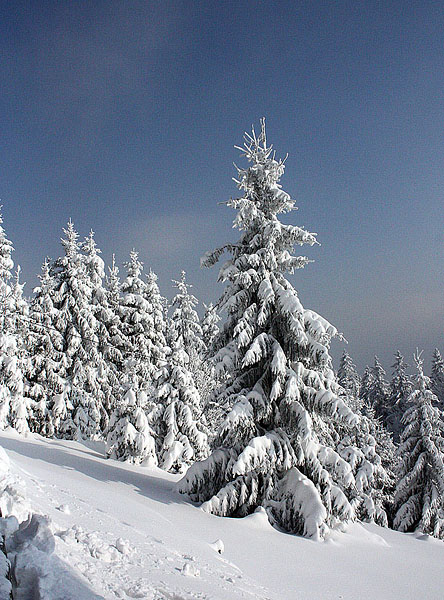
column 124, row 532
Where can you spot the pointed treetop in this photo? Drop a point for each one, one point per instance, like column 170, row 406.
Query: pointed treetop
column 113, row 268
column 153, row 292
column 151, row 277
column 348, row 376
column 183, row 299
column 182, row 285
column 399, row 361
column 46, row 267
column 6, row 249
column 134, row 266
column 89, row 245
column 113, row 280
column 437, row 376
column 261, row 180
column 437, row 354
column 419, row 361
column 422, row 381
column 70, row 242
column 255, row 146
column 18, row 287
column 379, row 372
column 94, row 264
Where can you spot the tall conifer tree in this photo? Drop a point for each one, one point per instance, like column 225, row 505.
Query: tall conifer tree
column 48, row 362
column 141, row 310
column 364, row 390
column 13, row 402
column 210, row 327
column 178, row 419
column 399, row 391
column 68, row 332
column 275, row 448
column 378, row 391
column 109, row 358
column 349, row 380
column 186, row 321
column 419, row 493
column 437, row 377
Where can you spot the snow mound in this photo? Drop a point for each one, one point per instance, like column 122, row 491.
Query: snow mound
column 218, row 546
column 28, row 566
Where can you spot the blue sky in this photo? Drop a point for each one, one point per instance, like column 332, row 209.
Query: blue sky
column 123, row 116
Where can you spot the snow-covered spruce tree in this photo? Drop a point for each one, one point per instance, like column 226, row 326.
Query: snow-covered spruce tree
column 276, row 446
column 400, row 389
column 130, row 436
column 437, row 377
column 110, row 341
column 142, row 326
column 419, row 493
column 178, row 420
column 6, row 263
column 158, row 305
column 349, row 380
column 381, row 494
column 19, row 323
column 13, row 403
column 48, row 363
column 364, row 390
column 186, row 321
column 119, row 346
column 18, row 307
column 113, row 285
column 378, row 391
column 142, row 314
column 77, row 410
column 206, row 379
column 210, row 327
column 186, row 324
column 369, row 449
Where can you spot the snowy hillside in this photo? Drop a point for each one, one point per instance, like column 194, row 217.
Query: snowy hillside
column 122, row 531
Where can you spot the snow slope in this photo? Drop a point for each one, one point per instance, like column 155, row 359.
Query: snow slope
column 124, row 532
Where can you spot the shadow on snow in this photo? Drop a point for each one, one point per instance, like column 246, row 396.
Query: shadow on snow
column 99, row 468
